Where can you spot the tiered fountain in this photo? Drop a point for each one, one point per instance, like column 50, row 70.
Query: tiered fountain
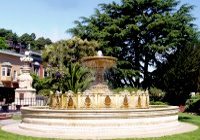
column 99, row 96
column 98, row 113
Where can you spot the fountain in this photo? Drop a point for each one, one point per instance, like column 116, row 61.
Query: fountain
column 99, row 96
column 98, row 113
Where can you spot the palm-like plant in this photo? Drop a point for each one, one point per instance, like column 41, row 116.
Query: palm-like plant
column 39, row 84
column 78, row 78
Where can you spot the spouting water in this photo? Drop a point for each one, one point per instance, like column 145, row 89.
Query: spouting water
column 99, row 53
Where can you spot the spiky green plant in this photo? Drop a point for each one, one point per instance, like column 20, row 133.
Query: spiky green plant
column 78, row 78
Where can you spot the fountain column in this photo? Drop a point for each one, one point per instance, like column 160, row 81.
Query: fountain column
column 99, row 63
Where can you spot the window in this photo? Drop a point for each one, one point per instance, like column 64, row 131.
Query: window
column 8, row 71
column 3, row 71
column 15, row 75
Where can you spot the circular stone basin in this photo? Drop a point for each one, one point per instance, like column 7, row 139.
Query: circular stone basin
column 101, row 123
column 99, row 61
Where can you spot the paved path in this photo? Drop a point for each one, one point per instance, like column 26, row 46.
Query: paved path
column 8, row 122
column 14, row 128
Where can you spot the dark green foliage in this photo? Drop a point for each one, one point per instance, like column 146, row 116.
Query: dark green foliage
column 9, row 35
column 39, row 84
column 193, row 104
column 179, row 75
column 77, row 78
column 25, row 40
column 41, row 42
column 156, row 94
column 74, row 77
column 35, row 44
column 157, row 103
column 140, row 33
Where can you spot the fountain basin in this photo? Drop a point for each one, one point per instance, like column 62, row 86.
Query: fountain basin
column 101, row 123
column 99, row 61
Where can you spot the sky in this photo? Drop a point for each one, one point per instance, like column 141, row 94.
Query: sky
column 51, row 18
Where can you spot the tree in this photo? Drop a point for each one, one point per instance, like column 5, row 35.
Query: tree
column 38, row 44
column 9, row 35
column 138, row 33
column 66, row 51
column 3, row 44
column 41, row 42
column 27, row 39
column 33, row 36
column 179, row 74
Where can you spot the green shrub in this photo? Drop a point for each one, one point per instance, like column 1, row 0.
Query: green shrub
column 156, row 94
column 193, row 104
column 157, row 103
column 44, row 92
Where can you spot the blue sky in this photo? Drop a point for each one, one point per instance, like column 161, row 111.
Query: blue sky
column 51, row 18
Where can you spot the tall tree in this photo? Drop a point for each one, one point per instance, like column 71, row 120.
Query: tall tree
column 138, row 33
column 179, row 74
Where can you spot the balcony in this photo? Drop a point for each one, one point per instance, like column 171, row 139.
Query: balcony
column 6, row 78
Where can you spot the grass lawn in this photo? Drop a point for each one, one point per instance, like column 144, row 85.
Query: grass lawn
column 195, row 135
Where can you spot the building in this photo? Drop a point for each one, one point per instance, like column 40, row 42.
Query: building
column 10, row 67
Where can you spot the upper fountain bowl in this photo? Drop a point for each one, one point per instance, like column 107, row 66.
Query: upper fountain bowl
column 99, row 61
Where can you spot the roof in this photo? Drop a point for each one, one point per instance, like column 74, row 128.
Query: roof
column 18, row 54
column 11, row 53
column 35, row 53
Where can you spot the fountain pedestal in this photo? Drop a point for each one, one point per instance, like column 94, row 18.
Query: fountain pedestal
column 25, row 94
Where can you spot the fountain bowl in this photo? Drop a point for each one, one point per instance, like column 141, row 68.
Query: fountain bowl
column 104, row 62
column 100, row 123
